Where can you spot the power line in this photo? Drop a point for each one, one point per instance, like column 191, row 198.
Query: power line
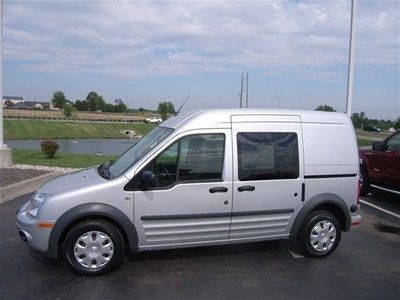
column 304, row 104
column 291, row 88
column 291, row 93
column 271, row 92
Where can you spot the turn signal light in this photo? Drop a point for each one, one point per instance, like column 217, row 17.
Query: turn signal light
column 46, row 225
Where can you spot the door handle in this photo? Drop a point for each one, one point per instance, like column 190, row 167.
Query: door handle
column 218, row 189
column 248, row 188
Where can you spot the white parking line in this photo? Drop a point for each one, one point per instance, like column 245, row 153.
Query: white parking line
column 296, row 255
column 381, row 209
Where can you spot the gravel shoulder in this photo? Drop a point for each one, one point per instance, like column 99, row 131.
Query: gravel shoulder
column 22, row 179
column 10, row 176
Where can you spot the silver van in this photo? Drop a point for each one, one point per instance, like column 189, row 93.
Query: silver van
column 211, row 177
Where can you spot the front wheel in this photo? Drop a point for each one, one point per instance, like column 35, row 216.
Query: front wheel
column 94, row 247
column 320, row 234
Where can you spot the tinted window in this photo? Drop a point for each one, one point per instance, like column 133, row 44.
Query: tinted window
column 192, row 158
column 267, row 155
column 201, row 157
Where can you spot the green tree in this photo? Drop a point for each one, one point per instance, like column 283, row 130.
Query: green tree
column 96, row 102
column 396, row 123
column 171, row 108
column 46, row 106
column 165, row 108
column 81, row 105
column 359, row 119
column 120, row 108
column 108, row 107
column 325, row 108
column 69, row 111
column 59, row 99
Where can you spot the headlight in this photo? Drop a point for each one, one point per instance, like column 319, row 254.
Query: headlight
column 36, row 203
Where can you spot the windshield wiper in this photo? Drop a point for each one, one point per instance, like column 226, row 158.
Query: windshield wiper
column 104, row 170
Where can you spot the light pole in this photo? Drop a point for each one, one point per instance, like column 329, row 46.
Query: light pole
column 5, row 153
column 350, row 73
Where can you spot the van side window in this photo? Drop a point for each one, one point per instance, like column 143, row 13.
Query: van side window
column 267, row 155
column 201, row 157
column 165, row 166
column 196, row 157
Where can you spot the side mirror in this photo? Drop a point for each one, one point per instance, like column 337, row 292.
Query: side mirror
column 148, row 178
column 378, row 146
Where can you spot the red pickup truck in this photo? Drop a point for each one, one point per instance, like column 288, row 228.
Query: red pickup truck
column 380, row 166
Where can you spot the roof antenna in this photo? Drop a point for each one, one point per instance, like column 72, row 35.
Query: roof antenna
column 182, row 105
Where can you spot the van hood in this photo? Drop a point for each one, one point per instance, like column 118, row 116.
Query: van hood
column 72, row 181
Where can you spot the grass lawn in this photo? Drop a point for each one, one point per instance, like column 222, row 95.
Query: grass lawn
column 38, row 129
column 61, row 159
column 364, row 143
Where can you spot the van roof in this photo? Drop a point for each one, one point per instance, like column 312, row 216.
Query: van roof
column 221, row 118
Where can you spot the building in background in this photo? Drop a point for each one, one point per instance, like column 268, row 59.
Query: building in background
column 12, row 99
column 18, row 102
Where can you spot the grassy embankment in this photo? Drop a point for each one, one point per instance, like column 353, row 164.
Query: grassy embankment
column 80, row 115
column 38, row 129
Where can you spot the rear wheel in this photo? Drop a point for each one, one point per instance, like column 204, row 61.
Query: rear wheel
column 364, row 180
column 94, row 248
column 320, row 234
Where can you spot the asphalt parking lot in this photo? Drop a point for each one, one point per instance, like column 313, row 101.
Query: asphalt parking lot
column 365, row 265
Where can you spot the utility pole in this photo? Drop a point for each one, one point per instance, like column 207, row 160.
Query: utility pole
column 5, row 153
column 350, row 74
column 241, row 92
column 247, row 89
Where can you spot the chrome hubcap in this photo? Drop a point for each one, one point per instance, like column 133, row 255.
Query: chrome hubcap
column 94, row 249
column 323, row 235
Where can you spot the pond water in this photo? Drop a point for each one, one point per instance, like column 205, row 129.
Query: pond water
column 86, row 146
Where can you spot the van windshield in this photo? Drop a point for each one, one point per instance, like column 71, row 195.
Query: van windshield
column 137, row 151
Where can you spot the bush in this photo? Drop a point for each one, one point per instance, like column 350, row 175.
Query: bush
column 49, row 148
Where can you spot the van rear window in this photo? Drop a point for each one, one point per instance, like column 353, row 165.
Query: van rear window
column 267, row 155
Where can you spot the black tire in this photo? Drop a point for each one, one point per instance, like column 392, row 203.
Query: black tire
column 303, row 238
column 80, row 229
column 365, row 188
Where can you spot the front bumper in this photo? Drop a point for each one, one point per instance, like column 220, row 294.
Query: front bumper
column 355, row 222
column 30, row 232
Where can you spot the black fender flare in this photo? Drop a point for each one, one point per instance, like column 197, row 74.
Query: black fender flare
column 91, row 210
column 309, row 205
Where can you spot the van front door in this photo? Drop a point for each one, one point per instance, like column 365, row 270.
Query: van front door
column 268, row 175
column 188, row 200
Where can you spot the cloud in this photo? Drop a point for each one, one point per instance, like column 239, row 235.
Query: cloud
column 147, row 39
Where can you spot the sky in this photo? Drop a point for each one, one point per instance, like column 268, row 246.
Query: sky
column 295, row 52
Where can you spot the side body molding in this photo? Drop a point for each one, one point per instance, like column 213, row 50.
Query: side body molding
column 92, row 210
column 321, row 199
